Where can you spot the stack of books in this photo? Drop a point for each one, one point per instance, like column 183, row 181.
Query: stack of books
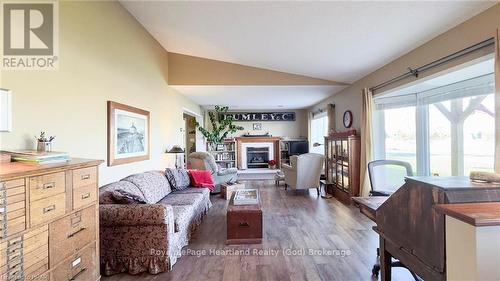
column 35, row 157
column 246, row 197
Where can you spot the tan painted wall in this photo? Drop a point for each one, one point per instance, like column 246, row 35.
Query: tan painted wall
column 473, row 31
column 189, row 70
column 104, row 55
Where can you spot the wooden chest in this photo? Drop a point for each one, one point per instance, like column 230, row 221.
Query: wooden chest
column 49, row 221
column 227, row 189
column 244, row 223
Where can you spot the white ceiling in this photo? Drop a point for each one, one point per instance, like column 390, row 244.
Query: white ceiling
column 258, row 97
column 341, row 41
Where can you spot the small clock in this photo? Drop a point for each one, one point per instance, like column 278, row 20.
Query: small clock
column 347, row 119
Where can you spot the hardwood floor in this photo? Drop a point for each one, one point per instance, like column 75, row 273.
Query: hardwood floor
column 293, row 224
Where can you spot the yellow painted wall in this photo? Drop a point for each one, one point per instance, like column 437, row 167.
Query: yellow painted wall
column 105, row 54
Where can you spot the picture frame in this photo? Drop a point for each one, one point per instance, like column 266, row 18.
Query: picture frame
column 257, row 126
column 128, row 134
column 5, row 110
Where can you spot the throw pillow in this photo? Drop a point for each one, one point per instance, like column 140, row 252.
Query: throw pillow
column 106, row 192
column 124, row 197
column 201, row 178
column 178, row 178
column 152, row 184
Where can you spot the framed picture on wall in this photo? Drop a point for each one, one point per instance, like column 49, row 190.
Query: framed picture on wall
column 257, row 126
column 128, row 134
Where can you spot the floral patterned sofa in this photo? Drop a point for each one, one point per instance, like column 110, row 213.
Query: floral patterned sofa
column 144, row 222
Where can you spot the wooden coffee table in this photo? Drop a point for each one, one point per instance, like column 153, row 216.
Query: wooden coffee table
column 244, row 223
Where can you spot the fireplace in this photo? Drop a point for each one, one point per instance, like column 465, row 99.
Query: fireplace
column 257, row 157
column 256, row 154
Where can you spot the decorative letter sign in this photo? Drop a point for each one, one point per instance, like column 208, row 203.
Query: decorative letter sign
column 258, row 116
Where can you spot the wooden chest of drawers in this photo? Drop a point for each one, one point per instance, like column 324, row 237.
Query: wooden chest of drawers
column 49, row 221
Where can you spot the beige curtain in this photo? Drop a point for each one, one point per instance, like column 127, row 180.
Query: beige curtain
column 330, row 111
column 366, row 140
column 497, row 101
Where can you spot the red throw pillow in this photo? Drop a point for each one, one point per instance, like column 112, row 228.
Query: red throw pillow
column 201, row 178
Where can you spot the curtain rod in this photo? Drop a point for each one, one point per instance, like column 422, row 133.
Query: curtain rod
column 415, row 72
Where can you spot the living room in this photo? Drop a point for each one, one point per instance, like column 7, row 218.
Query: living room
column 165, row 140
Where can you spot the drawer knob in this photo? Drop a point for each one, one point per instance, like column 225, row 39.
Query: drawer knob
column 15, row 274
column 244, row 224
column 15, row 241
column 85, row 177
column 49, row 209
column 85, row 196
column 49, row 185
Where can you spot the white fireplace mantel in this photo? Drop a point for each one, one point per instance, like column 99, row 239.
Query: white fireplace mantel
column 246, row 145
column 242, row 143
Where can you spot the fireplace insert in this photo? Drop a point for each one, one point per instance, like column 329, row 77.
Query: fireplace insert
column 257, row 157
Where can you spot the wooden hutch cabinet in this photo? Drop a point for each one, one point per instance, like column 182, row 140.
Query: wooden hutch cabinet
column 342, row 151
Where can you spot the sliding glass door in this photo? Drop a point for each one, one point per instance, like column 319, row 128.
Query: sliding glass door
column 443, row 126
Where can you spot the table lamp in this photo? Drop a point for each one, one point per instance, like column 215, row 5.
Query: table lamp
column 176, row 149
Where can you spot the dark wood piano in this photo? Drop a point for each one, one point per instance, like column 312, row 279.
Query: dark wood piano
column 413, row 232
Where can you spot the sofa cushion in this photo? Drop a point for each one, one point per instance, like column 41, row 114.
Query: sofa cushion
column 178, row 178
column 204, row 191
column 153, row 185
column 176, row 199
column 183, row 215
column 106, row 195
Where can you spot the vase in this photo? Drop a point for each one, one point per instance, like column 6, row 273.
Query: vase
column 44, row 146
column 272, row 167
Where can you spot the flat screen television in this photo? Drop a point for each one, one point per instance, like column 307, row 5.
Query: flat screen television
column 298, row 147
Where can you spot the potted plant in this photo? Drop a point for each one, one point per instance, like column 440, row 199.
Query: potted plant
column 272, row 164
column 44, row 143
column 220, row 128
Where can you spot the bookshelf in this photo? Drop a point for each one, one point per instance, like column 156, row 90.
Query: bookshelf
column 224, row 153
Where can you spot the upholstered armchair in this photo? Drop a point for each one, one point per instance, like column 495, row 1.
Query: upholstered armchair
column 304, row 171
column 205, row 161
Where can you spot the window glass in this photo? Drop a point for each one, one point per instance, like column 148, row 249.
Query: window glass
column 400, row 135
column 439, row 139
column 479, row 137
column 319, row 129
column 446, row 124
